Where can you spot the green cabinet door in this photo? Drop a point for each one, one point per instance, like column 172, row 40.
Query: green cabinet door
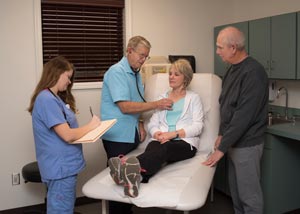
column 219, row 66
column 283, row 46
column 259, row 42
column 221, row 176
column 280, row 175
column 272, row 41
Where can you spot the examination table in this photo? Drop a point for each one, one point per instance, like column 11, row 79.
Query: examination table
column 179, row 186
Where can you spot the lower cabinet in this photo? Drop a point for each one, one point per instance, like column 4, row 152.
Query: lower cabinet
column 221, row 176
column 280, row 175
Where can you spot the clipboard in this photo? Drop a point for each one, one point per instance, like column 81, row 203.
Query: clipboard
column 95, row 134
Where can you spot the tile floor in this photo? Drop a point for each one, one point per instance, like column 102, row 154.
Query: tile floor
column 222, row 204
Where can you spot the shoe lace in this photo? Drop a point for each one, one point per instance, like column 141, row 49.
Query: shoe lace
column 122, row 158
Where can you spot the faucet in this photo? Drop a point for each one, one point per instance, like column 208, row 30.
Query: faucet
column 286, row 99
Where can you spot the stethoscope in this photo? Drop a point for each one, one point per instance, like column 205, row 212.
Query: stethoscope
column 136, row 81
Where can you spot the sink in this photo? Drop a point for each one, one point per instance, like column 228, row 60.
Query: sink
column 279, row 120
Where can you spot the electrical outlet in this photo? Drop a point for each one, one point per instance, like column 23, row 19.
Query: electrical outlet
column 15, row 178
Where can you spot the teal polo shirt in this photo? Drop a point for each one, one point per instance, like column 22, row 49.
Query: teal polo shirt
column 119, row 84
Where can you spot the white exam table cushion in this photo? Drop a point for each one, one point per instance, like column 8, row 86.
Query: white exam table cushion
column 182, row 185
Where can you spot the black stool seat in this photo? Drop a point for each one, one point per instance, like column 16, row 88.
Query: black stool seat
column 31, row 173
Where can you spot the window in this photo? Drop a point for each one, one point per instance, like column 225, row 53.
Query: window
column 88, row 33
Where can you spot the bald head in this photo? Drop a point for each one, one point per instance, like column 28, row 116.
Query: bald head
column 232, row 36
column 231, row 45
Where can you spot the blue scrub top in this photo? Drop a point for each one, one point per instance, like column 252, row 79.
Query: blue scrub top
column 119, row 84
column 56, row 158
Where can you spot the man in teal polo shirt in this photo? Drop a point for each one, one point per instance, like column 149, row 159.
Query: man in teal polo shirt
column 122, row 98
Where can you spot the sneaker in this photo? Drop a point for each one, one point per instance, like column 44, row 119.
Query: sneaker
column 115, row 169
column 131, row 174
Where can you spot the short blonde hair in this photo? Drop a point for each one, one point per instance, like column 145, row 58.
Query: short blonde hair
column 184, row 67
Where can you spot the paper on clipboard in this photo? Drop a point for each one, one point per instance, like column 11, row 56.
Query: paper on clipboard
column 96, row 133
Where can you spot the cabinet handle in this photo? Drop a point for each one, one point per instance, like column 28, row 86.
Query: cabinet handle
column 268, row 66
column 272, row 65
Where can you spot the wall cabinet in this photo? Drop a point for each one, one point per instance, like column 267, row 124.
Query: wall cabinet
column 280, row 174
column 272, row 41
column 220, row 66
column 221, row 176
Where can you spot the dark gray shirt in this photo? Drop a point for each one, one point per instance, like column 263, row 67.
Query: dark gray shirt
column 243, row 105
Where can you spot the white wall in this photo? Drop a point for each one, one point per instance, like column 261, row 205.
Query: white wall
column 180, row 27
column 244, row 10
column 18, row 70
column 20, row 65
column 172, row 26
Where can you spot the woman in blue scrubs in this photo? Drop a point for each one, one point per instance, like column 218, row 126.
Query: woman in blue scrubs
column 55, row 127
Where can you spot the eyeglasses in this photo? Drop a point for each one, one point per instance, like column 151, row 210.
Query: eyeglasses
column 141, row 55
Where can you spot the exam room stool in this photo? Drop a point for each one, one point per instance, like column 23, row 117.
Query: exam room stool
column 31, row 173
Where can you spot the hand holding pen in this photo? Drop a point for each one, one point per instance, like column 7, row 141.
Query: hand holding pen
column 95, row 121
column 91, row 110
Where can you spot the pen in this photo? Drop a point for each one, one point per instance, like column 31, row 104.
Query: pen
column 91, row 111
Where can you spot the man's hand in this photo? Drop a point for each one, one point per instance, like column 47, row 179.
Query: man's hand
column 164, row 104
column 213, row 159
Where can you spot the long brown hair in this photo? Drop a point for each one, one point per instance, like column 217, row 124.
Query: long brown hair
column 51, row 73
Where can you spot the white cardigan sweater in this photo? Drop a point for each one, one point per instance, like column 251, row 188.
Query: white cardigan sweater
column 191, row 119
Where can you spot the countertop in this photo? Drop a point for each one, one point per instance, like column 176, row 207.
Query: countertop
column 288, row 130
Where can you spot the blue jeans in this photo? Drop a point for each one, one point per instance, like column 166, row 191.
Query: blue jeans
column 61, row 195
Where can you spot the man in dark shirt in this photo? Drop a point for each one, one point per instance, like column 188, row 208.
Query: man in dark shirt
column 243, row 109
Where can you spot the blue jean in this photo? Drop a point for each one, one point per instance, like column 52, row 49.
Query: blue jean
column 61, row 195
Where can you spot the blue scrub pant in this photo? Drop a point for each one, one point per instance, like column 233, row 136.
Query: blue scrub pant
column 61, row 195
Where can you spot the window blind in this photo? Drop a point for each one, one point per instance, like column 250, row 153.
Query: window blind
column 88, row 33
